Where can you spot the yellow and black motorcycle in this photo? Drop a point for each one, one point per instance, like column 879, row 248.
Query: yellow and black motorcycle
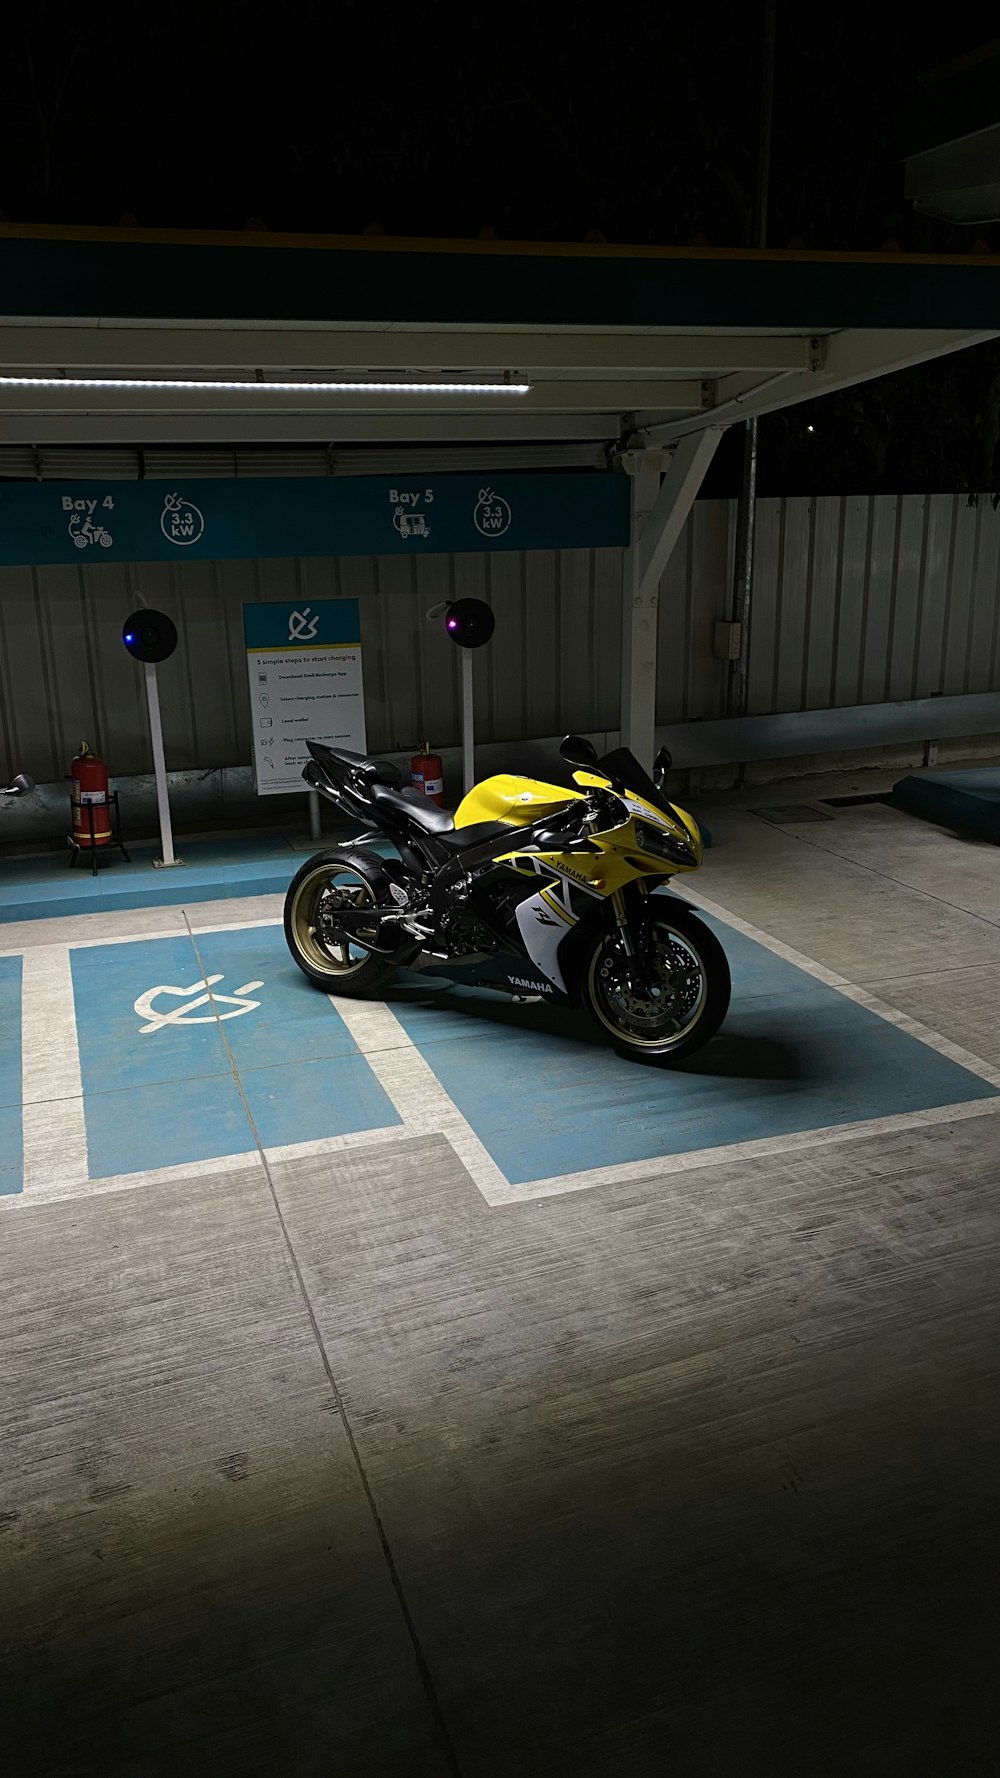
column 531, row 888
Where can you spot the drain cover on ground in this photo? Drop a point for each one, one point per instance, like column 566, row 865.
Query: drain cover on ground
column 791, row 814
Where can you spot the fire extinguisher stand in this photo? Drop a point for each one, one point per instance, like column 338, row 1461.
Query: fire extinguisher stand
column 159, row 770
column 115, row 818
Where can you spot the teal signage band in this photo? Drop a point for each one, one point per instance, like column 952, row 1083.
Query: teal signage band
column 92, row 522
column 291, row 623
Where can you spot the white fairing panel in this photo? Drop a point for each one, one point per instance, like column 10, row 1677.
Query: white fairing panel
column 542, row 930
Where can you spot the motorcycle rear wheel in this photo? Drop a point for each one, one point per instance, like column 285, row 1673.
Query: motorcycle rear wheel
column 683, row 999
column 326, row 881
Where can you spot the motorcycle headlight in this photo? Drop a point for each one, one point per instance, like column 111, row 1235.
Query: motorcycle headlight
column 661, row 844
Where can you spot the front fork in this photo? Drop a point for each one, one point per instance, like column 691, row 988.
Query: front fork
column 619, row 908
column 620, row 912
column 636, row 964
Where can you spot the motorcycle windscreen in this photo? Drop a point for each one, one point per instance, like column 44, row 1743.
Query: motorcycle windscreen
column 622, row 767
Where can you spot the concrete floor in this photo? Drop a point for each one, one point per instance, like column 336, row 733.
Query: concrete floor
column 326, row 1464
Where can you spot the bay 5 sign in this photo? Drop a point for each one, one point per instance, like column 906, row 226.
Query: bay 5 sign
column 304, row 681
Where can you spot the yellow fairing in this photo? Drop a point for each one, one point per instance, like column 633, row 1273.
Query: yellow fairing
column 619, row 859
column 517, row 800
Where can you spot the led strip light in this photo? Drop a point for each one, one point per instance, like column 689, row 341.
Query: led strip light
column 247, row 388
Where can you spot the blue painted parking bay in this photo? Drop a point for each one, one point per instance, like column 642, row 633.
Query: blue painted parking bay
column 794, row 1055
column 166, row 1083
column 42, row 887
column 172, row 1075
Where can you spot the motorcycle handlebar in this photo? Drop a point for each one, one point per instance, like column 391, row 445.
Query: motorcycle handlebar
column 602, row 808
column 565, row 839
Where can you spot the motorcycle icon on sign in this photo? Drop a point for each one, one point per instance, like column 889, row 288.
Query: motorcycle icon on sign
column 84, row 532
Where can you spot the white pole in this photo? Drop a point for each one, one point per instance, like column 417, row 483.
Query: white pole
column 159, row 767
column 468, row 734
column 315, row 829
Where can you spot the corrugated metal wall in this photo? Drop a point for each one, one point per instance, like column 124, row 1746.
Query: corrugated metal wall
column 65, row 675
column 863, row 600
column 695, row 591
column 856, row 600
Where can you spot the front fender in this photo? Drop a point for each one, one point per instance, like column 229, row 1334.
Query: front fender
column 575, row 947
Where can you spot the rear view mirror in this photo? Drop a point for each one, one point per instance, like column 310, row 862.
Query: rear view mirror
column 661, row 766
column 578, row 750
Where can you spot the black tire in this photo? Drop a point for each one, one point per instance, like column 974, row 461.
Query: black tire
column 337, row 969
column 696, row 996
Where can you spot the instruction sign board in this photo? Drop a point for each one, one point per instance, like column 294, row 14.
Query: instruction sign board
column 93, row 522
column 304, row 676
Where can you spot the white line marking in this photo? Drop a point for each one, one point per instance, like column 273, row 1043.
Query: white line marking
column 414, row 1088
column 955, row 1053
column 860, row 996
column 20, row 943
column 135, row 938
column 300, row 1151
column 57, row 1189
column 55, row 1142
column 694, row 1158
column 95, row 929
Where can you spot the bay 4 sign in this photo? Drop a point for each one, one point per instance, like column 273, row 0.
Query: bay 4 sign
column 304, row 676
column 366, row 515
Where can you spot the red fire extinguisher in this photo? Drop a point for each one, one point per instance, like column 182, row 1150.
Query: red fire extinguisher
column 90, row 798
column 427, row 774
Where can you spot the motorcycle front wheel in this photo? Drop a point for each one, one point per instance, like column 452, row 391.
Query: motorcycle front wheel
column 664, row 1002
column 329, row 881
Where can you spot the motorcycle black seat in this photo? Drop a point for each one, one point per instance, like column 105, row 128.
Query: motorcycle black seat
column 461, row 839
column 422, row 812
column 345, row 755
column 380, row 770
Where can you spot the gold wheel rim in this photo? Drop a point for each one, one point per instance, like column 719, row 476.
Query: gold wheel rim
column 685, row 1025
column 337, row 961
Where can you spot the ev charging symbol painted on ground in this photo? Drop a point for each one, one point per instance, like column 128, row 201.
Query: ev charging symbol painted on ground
column 239, row 1003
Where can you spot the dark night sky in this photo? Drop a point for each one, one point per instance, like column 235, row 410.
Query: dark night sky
column 542, row 121
column 539, row 121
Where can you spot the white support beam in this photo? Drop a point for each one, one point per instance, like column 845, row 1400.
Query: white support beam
column 557, row 397
column 855, row 356
column 112, row 345
column 639, row 621
column 664, row 523
column 659, row 514
column 315, row 428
